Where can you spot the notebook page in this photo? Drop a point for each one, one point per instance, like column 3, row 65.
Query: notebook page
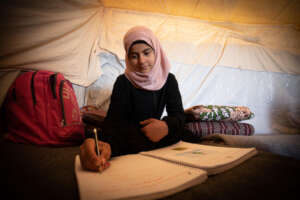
column 136, row 177
column 209, row 158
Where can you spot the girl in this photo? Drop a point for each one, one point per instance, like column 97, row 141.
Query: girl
column 133, row 122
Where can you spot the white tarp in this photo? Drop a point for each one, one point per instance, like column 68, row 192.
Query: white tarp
column 273, row 97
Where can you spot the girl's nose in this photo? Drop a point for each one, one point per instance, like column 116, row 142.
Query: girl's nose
column 141, row 59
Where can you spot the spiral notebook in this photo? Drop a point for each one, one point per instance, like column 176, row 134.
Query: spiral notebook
column 158, row 173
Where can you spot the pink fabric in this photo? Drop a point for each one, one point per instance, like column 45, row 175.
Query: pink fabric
column 156, row 78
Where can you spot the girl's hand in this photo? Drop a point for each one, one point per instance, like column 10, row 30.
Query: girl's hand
column 154, row 129
column 90, row 160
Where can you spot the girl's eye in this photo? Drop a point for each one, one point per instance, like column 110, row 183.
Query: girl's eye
column 146, row 53
column 133, row 56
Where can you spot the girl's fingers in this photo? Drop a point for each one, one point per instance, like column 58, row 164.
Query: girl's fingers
column 147, row 121
column 105, row 155
column 105, row 151
column 88, row 156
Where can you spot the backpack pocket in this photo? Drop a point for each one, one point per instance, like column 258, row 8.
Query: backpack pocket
column 69, row 105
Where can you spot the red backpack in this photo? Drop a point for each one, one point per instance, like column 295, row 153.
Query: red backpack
column 41, row 108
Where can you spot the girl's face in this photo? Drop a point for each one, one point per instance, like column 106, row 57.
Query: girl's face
column 141, row 57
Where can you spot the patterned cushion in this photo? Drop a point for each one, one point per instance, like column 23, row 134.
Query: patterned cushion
column 199, row 128
column 218, row 113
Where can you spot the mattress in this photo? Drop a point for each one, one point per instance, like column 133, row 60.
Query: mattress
column 31, row 172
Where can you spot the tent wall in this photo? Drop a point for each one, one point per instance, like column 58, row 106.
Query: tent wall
column 53, row 35
column 63, row 35
column 255, row 47
column 238, row 11
column 216, row 63
column 232, row 52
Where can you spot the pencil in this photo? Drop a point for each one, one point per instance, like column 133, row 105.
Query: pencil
column 96, row 141
column 97, row 148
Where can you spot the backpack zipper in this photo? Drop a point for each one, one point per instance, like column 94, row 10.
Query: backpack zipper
column 32, row 88
column 62, row 102
column 13, row 94
column 52, row 81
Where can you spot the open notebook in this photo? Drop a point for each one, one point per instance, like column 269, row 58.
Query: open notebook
column 158, row 173
column 212, row 159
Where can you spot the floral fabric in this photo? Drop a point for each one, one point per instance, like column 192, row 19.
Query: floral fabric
column 218, row 113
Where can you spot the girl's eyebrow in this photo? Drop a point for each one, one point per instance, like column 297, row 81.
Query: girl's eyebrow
column 145, row 50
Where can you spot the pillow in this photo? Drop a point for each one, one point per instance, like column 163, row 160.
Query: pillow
column 91, row 115
column 218, row 113
column 199, row 128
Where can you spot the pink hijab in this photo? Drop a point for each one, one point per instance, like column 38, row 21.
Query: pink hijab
column 156, row 78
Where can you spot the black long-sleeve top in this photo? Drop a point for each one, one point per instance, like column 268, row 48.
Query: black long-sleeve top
column 130, row 105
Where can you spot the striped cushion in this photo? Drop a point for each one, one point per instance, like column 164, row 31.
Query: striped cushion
column 200, row 128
